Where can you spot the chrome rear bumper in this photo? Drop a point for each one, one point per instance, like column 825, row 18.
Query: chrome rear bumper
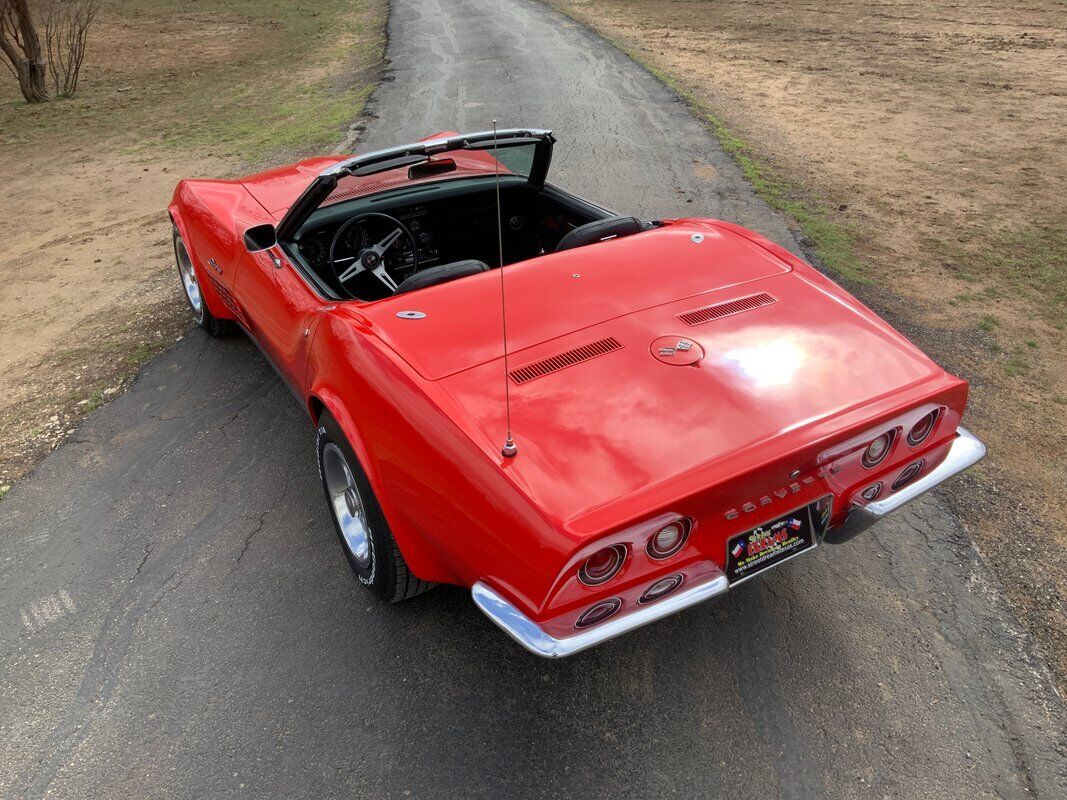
column 965, row 451
column 530, row 635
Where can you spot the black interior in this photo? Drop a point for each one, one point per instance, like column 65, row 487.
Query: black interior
column 442, row 273
column 450, row 221
column 599, row 231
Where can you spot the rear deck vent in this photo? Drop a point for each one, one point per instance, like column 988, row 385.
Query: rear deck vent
column 545, row 366
column 725, row 309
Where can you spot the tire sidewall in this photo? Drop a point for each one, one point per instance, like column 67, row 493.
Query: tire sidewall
column 372, row 575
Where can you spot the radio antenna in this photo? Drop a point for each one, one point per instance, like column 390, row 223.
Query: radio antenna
column 510, row 449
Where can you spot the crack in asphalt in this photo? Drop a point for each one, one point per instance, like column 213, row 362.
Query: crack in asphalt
column 112, row 643
column 144, row 560
column 260, row 521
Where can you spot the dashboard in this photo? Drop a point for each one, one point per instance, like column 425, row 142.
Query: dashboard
column 399, row 260
column 449, row 221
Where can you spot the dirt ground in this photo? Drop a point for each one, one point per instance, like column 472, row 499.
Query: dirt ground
column 924, row 145
column 87, row 283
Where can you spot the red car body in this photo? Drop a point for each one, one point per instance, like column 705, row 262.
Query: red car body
column 787, row 381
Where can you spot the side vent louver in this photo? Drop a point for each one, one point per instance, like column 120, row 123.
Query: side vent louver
column 563, row 360
column 726, row 308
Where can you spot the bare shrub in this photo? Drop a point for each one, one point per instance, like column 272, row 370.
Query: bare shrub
column 66, row 25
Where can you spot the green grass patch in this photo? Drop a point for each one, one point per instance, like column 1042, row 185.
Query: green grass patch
column 265, row 76
column 1015, row 366
column 1028, row 262
column 145, row 350
column 988, row 323
column 93, row 401
column 1032, row 261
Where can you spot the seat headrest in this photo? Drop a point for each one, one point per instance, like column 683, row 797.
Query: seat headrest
column 442, row 273
column 598, row 231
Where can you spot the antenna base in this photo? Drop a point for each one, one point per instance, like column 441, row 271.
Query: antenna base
column 510, row 449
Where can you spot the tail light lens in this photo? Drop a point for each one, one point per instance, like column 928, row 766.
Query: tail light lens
column 871, row 493
column 877, row 450
column 669, row 539
column 598, row 612
column 602, row 566
column 922, row 428
column 660, row 589
column 908, row 475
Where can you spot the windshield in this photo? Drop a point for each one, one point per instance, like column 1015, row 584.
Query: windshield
column 520, row 152
column 515, row 160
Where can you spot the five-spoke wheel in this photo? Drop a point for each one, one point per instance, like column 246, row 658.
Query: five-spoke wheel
column 358, row 520
column 348, row 511
column 191, row 284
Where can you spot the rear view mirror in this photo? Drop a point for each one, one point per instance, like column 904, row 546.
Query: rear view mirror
column 261, row 237
column 430, row 169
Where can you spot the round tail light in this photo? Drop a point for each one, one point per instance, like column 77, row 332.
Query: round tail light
column 598, row 612
column 871, row 493
column 660, row 589
column 877, row 450
column 669, row 539
column 908, row 475
column 602, row 566
column 921, row 429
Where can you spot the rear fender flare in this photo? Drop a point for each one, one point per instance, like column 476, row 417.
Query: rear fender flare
column 417, row 551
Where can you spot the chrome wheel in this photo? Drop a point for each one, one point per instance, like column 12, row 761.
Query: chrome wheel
column 189, row 282
column 346, row 503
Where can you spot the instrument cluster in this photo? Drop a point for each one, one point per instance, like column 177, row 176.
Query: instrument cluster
column 315, row 246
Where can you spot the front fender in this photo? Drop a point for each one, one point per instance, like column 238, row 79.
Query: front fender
column 208, row 287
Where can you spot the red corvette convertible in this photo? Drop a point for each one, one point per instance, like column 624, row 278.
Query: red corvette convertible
column 649, row 414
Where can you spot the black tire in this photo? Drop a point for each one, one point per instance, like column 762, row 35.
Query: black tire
column 382, row 569
column 202, row 315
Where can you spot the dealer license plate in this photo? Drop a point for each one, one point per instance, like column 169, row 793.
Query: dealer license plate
column 770, row 544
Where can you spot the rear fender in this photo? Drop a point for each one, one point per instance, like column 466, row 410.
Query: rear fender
column 417, row 551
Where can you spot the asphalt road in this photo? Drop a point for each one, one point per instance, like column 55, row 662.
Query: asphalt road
column 176, row 618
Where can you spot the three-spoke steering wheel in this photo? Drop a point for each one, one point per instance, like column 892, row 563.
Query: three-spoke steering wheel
column 371, row 258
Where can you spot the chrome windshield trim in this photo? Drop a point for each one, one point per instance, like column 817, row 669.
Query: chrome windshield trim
column 531, row 636
column 966, row 451
column 430, row 147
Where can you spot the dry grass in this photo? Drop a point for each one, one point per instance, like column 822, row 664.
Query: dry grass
column 212, row 88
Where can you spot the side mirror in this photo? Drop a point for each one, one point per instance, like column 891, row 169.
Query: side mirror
column 261, row 237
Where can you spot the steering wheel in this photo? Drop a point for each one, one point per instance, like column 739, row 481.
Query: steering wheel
column 370, row 259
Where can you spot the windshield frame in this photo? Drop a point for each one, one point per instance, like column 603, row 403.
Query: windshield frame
column 323, row 185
